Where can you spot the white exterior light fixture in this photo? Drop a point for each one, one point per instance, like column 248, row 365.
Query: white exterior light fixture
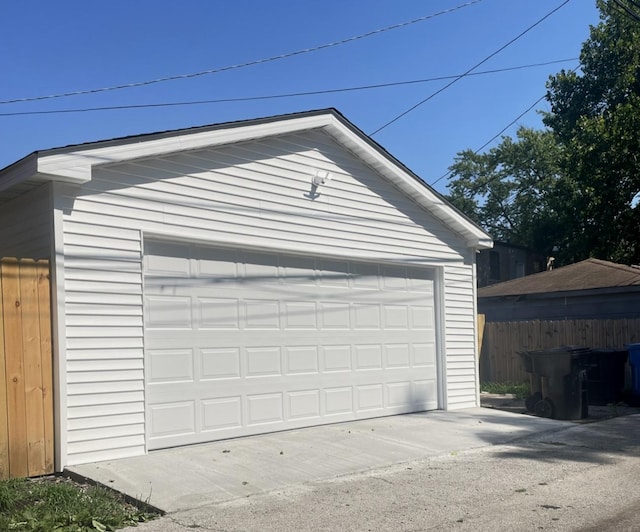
column 321, row 177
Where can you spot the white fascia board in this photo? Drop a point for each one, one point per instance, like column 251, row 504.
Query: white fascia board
column 481, row 243
column 473, row 236
column 18, row 172
column 76, row 166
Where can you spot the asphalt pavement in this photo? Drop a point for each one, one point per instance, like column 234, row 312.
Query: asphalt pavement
column 561, row 476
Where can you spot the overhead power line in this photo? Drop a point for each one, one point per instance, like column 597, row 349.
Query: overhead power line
column 248, row 63
column 448, row 173
column 534, row 104
column 511, row 123
column 413, row 107
column 628, row 11
column 275, row 96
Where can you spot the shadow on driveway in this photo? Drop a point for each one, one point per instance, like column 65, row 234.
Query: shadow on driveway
column 607, row 431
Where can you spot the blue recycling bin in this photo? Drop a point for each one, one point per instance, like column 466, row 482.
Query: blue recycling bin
column 634, row 361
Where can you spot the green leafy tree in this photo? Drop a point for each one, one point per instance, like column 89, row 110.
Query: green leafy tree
column 595, row 115
column 512, row 190
column 570, row 190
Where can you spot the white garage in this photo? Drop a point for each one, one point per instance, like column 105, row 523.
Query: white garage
column 242, row 278
column 239, row 342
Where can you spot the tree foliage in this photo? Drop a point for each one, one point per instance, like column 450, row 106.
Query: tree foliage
column 570, row 189
column 511, row 189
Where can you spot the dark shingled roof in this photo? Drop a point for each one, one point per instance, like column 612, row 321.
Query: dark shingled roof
column 586, row 275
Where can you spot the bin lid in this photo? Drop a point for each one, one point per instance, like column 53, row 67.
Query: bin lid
column 571, row 349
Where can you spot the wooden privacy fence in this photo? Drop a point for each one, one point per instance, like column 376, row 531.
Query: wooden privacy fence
column 499, row 359
column 26, row 401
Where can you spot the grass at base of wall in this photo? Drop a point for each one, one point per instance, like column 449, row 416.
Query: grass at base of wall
column 521, row 391
column 57, row 503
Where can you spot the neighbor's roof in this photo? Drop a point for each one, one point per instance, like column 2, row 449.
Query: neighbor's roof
column 75, row 163
column 586, row 275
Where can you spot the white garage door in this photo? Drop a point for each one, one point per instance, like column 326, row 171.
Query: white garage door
column 241, row 343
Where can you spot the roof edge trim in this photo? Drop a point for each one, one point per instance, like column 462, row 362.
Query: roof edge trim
column 411, row 184
column 74, row 164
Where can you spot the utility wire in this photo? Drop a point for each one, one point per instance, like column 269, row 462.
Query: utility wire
column 511, row 123
column 448, row 173
column 404, row 113
column 247, row 64
column 626, row 10
column 274, row 96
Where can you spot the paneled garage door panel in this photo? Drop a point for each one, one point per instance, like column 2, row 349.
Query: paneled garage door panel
column 240, row 343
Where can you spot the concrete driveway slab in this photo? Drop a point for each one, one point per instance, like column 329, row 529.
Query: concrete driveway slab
column 582, row 478
column 189, row 477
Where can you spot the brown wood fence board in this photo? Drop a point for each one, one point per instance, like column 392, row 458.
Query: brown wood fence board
column 533, row 334
column 507, row 360
column 16, row 407
column 480, row 325
column 500, row 333
column 495, row 361
column 44, row 304
column 620, row 329
column 26, row 401
column 489, row 333
column 503, row 340
column 4, row 422
column 32, row 366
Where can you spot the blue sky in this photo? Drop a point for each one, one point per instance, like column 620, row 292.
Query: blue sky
column 58, row 47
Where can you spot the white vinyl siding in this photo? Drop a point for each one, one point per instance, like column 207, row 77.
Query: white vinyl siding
column 253, row 194
column 230, row 194
column 460, row 336
column 103, row 315
column 25, row 225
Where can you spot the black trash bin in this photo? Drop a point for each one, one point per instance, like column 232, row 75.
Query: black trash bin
column 535, row 384
column 559, row 382
column 605, row 375
column 634, row 362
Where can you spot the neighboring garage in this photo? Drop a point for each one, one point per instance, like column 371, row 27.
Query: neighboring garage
column 242, row 278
